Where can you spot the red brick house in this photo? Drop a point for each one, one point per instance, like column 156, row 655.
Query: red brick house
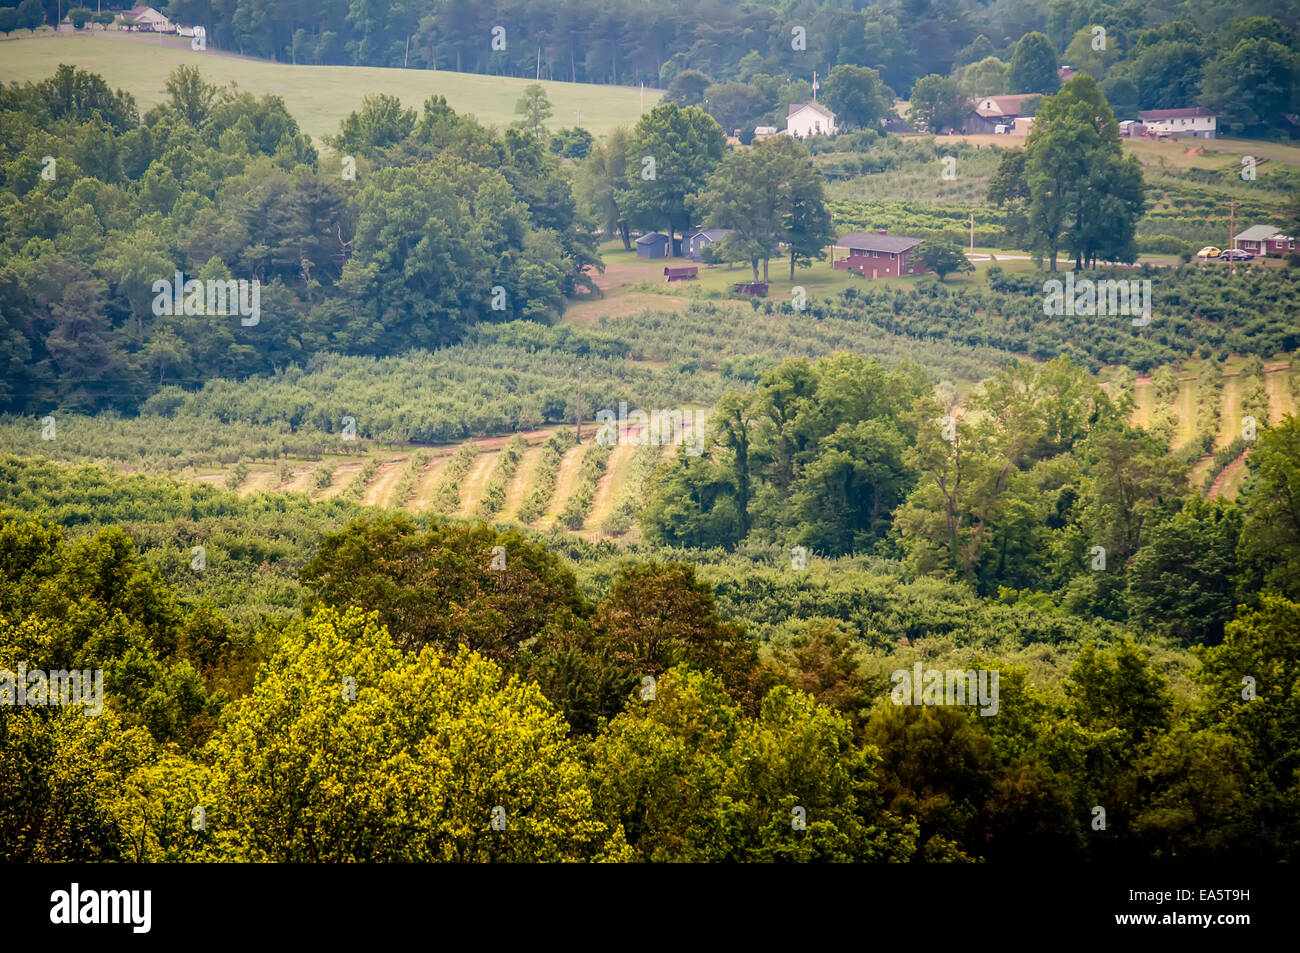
column 1264, row 240
column 877, row 254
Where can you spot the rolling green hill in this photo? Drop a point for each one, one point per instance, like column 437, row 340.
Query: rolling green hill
column 317, row 96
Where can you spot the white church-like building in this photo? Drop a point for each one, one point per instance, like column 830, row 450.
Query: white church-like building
column 809, row 119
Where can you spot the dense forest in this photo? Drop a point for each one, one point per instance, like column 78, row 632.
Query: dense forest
column 645, row 722
column 217, row 185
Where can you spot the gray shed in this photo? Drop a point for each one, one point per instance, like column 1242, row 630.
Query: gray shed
column 652, row 245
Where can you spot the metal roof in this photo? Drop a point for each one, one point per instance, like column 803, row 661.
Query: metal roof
column 872, row 241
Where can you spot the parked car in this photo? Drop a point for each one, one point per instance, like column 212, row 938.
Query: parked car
column 1236, row 254
column 1208, row 252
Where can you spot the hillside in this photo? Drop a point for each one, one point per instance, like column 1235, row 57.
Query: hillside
column 317, row 96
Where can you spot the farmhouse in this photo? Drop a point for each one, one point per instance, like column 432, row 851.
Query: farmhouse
column 1197, row 121
column 146, row 20
column 809, row 119
column 877, row 254
column 1264, row 240
column 702, row 238
column 652, row 245
column 992, row 112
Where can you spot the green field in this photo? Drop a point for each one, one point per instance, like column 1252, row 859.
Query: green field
column 317, row 96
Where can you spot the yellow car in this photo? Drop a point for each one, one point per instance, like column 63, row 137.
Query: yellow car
column 1208, row 252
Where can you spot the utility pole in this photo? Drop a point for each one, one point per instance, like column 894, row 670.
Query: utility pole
column 407, row 55
column 1232, row 219
column 972, row 231
column 539, row 64
column 643, row 97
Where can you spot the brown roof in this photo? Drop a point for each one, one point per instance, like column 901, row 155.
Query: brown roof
column 1158, row 114
column 999, row 106
column 795, row 107
column 873, row 241
column 138, row 13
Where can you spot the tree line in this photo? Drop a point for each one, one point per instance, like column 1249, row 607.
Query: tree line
column 435, row 704
column 421, row 226
column 1038, row 489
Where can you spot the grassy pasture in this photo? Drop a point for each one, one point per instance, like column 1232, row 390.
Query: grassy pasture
column 317, row 96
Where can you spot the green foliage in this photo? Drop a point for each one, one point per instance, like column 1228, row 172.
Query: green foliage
column 356, row 488
column 93, row 606
column 446, row 498
column 987, row 77
column 237, row 475
column 813, row 456
column 1270, row 500
column 1033, row 65
column 689, row 778
column 434, row 225
column 1182, row 582
column 59, row 772
column 544, row 478
column 858, row 96
column 1085, row 194
column 944, row 258
column 440, row 587
column 323, row 476
column 638, row 479
column 936, row 102
column 412, row 767
column 535, row 108
column 685, row 144
column 494, row 493
column 594, row 461
column 412, row 473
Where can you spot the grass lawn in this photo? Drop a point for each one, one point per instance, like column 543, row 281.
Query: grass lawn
column 643, row 280
column 633, row 284
column 317, row 96
column 1180, row 153
column 1216, row 153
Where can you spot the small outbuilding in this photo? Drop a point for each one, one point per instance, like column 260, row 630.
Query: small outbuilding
column 701, row 239
column 652, row 245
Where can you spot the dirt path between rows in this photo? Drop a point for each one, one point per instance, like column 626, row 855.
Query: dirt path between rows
column 564, row 484
column 385, row 481
column 1225, row 475
column 602, row 504
column 519, row 484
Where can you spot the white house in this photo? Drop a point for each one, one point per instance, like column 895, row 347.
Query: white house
column 809, row 119
column 146, row 19
column 1197, row 121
